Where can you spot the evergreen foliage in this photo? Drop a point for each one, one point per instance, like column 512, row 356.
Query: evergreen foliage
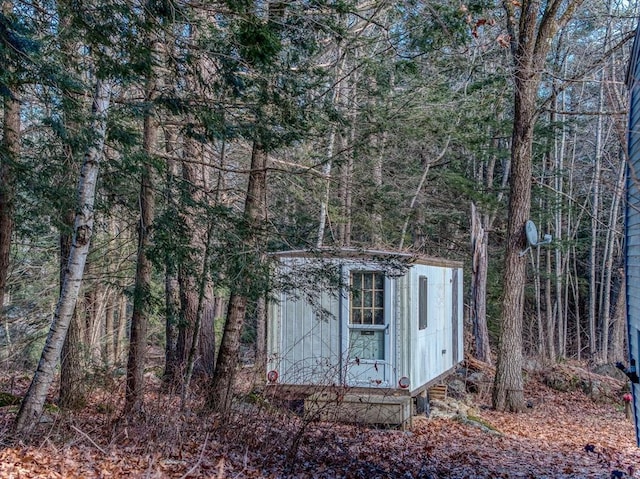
column 383, row 94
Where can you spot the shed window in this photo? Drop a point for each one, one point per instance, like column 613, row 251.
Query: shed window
column 367, row 298
column 422, row 302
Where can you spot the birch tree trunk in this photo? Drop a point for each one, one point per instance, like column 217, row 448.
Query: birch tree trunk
column 380, row 140
column 73, row 361
column 561, row 293
column 326, row 169
column 33, row 402
column 612, row 232
column 612, row 235
column 550, row 314
column 595, row 220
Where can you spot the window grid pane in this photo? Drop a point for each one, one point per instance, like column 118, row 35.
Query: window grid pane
column 367, row 298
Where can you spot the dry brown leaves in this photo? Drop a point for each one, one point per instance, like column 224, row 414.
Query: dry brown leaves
column 265, row 440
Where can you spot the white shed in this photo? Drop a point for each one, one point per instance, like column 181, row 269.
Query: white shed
column 364, row 319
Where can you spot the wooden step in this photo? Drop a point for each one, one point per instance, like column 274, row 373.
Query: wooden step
column 438, row 391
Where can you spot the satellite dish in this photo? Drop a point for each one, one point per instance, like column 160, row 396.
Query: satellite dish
column 532, row 233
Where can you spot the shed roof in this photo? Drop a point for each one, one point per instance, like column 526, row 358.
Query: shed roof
column 369, row 254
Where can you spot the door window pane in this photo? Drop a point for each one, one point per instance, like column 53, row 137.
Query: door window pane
column 366, row 344
column 366, row 298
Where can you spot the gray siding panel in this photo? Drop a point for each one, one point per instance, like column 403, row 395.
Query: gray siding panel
column 310, row 348
column 632, row 217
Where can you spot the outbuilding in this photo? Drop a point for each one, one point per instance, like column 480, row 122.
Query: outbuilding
column 374, row 322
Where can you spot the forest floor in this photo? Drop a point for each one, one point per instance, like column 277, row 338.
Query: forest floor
column 561, row 435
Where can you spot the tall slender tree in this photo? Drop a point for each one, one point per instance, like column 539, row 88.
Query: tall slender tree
column 532, row 26
column 9, row 150
column 134, row 394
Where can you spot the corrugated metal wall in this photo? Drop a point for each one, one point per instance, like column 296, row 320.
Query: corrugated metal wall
column 304, row 339
column 632, row 239
column 431, row 349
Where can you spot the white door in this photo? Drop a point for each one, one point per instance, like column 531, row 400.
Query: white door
column 366, row 329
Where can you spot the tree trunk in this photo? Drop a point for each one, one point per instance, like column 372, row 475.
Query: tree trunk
column 508, row 387
column 221, row 391
column 188, row 288
column 618, row 351
column 207, row 336
column 260, row 365
column 171, row 283
column 202, row 300
column 73, row 389
column 10, row 154
column 172, row 305
column 377, row 237
column 612, row 235
column 346, row 178
column 91, row 316
column 192, row 270
column 33, row 402
column 561, row 293
column 479, row 269
column 134, row 393
column 593, row 250
column 110, row 330
column 550, row 314
column 123, row 329
column 72, row 361
column 336, row 99
column 529, row 48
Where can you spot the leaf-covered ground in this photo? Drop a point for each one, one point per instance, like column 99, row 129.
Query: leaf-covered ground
column 563, row 435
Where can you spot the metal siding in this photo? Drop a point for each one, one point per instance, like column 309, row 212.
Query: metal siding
column 418, row 340
column 428, row 360
column 308, row 350
column 405, row 347
column 402, row 346
column 443, row 314
column 273, row 335
column 460, row 314
column 632, row 230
